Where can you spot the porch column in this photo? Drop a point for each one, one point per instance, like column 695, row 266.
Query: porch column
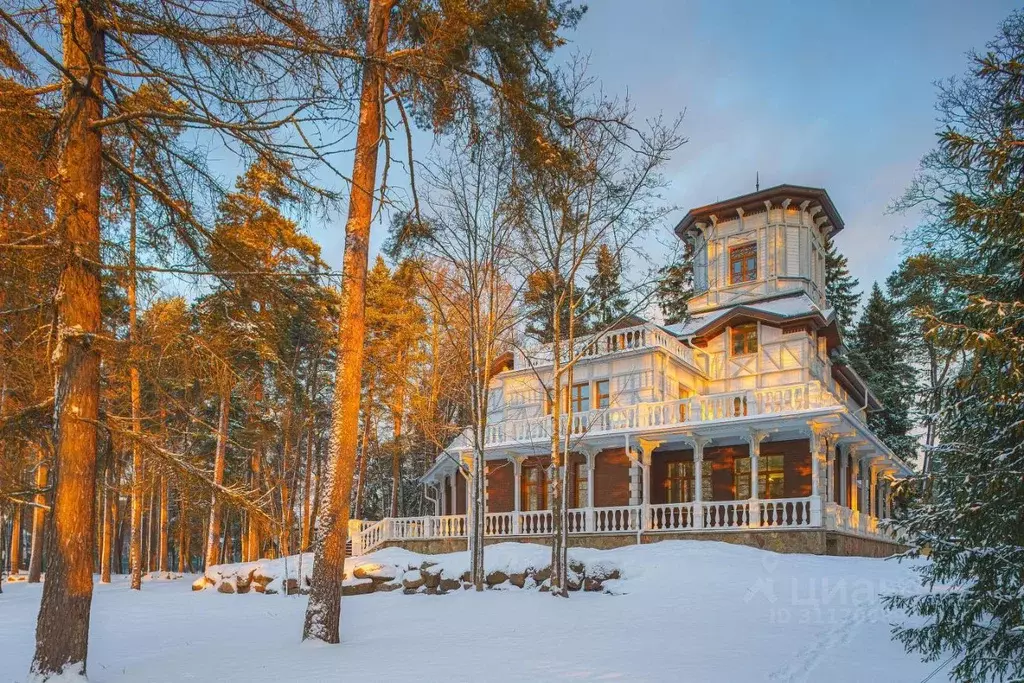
column 830, row 475
column 888, row 499
column 844, row 477
column 698, row 483
column 588, row 517
column 873, row 489
column 646, row 454
column 855, row 479
column 754, row 438
column 517, row 494
column 443, row 494
column 820, row 441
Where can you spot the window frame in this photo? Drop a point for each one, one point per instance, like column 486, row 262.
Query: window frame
column 749, row 331
column 528, row 484
column 744, row 255
column 682, row 484
column 577, row 399
column 770, row 468
column 581, row 489
column 606, row 396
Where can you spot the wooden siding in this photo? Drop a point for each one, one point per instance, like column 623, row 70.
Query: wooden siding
column 501, row 478
column 611, row 478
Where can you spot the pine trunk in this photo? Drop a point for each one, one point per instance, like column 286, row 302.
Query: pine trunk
column 213, row 533
column 396, row 454
column 35, row 564
column 182, row 526
column 364, row 453
column 164, row 525
column 62, row 629
column 135, row 544
column 323, row 614
column 307, row 497
column 15, row 555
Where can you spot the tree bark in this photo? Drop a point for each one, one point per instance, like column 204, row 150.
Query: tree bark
column 182, row 525
column 213, row 535
column 397, row 410
column 364, row 453
column 164, row 525
column 135, row 542
column 323, row 613
column 15, row 555
column 62, row 629
column 307, row 494
column 35, row 563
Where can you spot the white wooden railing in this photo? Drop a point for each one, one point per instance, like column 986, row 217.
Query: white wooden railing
column 644, row 336
column 719, row 515
column 697, row 409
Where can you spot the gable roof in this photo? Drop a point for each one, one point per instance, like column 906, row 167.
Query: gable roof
column 787, row 308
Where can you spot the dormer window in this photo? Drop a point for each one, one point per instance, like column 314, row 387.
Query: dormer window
column 743, row 263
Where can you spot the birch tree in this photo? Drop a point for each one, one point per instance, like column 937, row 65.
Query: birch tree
column 603, row 190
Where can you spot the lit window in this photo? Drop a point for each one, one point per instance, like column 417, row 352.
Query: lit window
column 743, row 263
column 744, row 340
column 582, row 483
column 681, row 485
column 771, row 477
column 580, row 398
column 603, row 396
column 534, row 488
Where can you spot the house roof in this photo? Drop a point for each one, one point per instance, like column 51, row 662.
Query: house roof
column 782, row 309
column 755, row 202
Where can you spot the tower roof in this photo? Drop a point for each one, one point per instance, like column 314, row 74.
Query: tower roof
column 755, row 202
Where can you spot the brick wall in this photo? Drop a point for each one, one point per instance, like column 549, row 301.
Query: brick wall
column 611, row 478
column 501, row 478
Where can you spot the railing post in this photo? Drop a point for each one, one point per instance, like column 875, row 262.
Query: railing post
column 755, row 438
column 517, row 468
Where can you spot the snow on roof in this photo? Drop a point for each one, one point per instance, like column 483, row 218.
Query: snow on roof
column 785, row 307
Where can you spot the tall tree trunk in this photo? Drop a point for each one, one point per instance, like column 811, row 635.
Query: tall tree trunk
column 35, row 563
column 254, row 543
column 182, row 526
column 106, row 545
column 135, row 550
column 213, row 535
column 15, row 555
column 164, row 524
column 307, row 494
column 323, row 613
column 62, row 629
column 364, row 453
column 284, row 537
column 397, row 411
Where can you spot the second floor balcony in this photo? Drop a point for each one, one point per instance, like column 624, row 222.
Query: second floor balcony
column 651, row 416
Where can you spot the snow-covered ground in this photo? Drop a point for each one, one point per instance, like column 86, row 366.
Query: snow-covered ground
column 687, row 611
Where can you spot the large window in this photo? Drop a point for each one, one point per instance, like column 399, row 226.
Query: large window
column 603, row 396
column 744, row 339
column 771, row 477
column 580, row 397
column 680, row 485
column 582, row 478
column 534, row 488
column 743, row 263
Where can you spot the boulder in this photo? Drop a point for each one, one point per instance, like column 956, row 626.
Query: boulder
column 387, row 586
column 576, row 566
column 258, row 587
column 542, row 575
column 292, row 586
column 199, row 584
column 377, row 572
column 449, row 585
column 496, row 577
column 430, row 580
column 518, row 580
column 413, row 579
column 226, row 586
column 592, row 584
column 357, row 587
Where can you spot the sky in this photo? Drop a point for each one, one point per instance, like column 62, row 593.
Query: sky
column 830, row 94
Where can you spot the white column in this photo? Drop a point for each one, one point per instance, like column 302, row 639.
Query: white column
column 517, row 494
column 588, row 517
column 754, row 506
column 844, row 477
column 873, row 489
column 698, row 484
column 443, row 495
column 854, row 476
column 830, row 475
column 888, row 500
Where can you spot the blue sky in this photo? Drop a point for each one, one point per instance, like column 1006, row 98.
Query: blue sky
column 832, row 94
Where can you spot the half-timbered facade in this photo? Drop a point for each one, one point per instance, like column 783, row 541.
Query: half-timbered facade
column 735, row 425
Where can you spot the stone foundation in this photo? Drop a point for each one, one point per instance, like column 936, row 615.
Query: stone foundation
column 804, row 541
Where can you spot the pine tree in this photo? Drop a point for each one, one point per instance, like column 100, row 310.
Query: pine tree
column 967, row 514
column 543, row 289
column 605, row 302
column 840, row 288
column 675, row 287
column 879, row 357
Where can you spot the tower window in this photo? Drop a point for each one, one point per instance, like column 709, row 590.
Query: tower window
column 743, row 263
column 744, row 339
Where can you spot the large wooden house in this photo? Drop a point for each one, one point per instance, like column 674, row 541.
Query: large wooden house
column 735, row 425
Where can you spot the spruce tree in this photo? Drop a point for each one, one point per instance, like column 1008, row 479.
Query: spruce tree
column 675, row 287
column 543, row 290
column 840, row 288
column 967, row 514
column 605, row 302
column 879, row 357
